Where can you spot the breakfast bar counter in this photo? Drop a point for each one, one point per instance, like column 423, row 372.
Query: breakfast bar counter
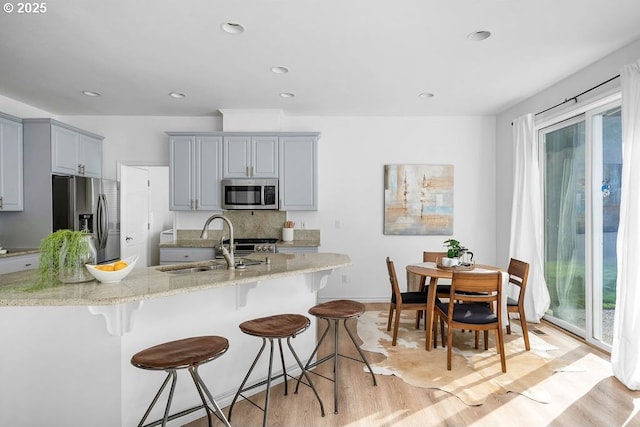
column 71, row 344
column 22, row 288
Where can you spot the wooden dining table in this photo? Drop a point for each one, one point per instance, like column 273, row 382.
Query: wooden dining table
column 431, row 270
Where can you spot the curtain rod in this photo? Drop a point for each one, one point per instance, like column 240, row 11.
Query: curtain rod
column 575, row 98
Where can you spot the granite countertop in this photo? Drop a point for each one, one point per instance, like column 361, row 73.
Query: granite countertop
column 21, row 289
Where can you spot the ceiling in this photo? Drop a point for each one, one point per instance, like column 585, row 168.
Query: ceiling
column 349, row 57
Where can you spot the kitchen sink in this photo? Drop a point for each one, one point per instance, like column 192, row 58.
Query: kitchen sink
column 241, row 263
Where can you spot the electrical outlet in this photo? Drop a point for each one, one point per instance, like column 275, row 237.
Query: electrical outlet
column 338, row 224
column 303, row 225
column 345, row 279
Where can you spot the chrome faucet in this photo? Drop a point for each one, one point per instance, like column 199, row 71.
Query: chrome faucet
column 226, row 253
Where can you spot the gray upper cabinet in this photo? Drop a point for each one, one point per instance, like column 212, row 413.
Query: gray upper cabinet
column 195, row 165
column 299, row 173
column 11, row 164
column 75, row 153
column 250, row 156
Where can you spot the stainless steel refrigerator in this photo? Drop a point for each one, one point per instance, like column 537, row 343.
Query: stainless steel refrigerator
column 89, row 204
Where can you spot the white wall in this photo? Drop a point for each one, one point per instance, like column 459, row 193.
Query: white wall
column 352, row 155
column 577, row 83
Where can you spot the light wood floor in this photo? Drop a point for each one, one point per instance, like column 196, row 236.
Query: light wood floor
column 591, row 398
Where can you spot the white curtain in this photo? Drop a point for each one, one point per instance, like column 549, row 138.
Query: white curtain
column 625, row 354
column 526, row 216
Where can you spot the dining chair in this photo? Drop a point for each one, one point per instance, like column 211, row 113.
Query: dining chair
column 470, row 306
column 443, row 290
column 518, row 274
column 403, row 301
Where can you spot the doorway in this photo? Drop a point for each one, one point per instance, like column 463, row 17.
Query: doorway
column 144, row 209
column 582, row 167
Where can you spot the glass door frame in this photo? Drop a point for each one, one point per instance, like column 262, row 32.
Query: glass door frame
column 591, row 112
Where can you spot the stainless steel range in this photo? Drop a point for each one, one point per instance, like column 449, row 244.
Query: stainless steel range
column 248, row 246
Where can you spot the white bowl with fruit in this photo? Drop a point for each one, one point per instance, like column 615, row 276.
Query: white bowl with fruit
column 113, row 272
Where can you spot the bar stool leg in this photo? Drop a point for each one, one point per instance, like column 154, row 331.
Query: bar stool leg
column 336, row 325
column 200, row 386
column 266, row 400
column 364, row 359
column 315, row 351
column 172, row 374
column 241, row 388
column 284, row 369
column 306, row 375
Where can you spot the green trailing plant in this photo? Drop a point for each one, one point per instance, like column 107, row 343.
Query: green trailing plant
column 50, row 248
column 454, row 248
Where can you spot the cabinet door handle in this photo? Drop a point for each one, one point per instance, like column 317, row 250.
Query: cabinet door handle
column 79, row 168
column 1, row 202
column 82, row 169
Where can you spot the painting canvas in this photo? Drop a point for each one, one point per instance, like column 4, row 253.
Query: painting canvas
column 418, row 199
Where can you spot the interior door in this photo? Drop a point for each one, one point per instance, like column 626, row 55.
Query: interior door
column 134, row 220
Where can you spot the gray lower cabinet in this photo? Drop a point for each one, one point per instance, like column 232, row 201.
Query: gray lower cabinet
column 11, row 164
column 296, row 249
column 195, row 165
column 180, row 255
column 298, row 173
column 13, row 264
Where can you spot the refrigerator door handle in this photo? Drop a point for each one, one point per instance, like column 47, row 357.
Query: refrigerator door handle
column 103, row 221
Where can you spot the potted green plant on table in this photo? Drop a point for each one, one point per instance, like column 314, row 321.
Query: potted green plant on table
column 455, row 251
column 63, row 255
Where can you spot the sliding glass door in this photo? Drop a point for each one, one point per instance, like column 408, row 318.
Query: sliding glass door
column 582, row 162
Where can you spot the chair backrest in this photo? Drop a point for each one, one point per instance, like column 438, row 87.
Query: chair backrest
column 476, row 287
column 393, row 279
column 518, row 275
column 432, row 256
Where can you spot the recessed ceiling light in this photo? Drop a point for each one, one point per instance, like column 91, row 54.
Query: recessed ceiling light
column 425, row 95
column 279, row 70
column 287, row 95
column 91, row 93
column 477, row 36
column 177, row 95
column 232, row 27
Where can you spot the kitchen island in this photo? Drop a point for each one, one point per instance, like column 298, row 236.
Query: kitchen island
column 66, row 348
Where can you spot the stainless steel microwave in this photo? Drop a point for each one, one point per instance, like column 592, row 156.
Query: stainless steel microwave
column 250, row 193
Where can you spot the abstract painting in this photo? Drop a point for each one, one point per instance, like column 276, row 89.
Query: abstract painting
column 418, row 199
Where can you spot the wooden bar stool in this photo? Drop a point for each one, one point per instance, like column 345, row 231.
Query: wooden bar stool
column 269, row 328
column 187, row 353
column 336, row 311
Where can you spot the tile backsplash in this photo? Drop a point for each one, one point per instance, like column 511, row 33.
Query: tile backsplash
column 267, row 224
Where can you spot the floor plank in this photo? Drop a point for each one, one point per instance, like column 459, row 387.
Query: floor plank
column 591, row 398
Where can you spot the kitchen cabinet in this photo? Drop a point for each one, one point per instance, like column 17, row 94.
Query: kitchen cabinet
column 75, row 153
column 12, row 264
column 181, row 255
column 298, row 173
column 250, row 156
column 11, row 164
column 195, row 165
